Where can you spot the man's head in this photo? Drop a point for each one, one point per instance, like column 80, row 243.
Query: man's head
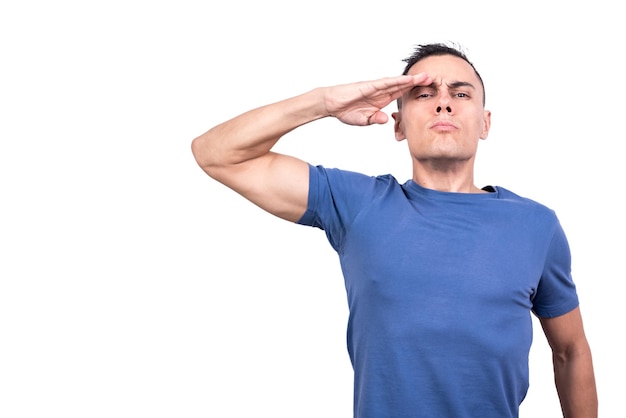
column 427, row 50
column 444, row 120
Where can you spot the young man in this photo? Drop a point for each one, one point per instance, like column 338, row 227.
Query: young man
column 441, row 275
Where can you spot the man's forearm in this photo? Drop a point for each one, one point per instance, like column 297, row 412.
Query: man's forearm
column 575, row 382
column 254, row 133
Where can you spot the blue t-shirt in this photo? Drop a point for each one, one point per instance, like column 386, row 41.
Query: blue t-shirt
column 440, row 289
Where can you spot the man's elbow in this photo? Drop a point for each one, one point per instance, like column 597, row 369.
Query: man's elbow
column 202, row 154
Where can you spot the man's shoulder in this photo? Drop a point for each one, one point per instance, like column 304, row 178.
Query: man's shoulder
column 342, row 175
column 528, row 203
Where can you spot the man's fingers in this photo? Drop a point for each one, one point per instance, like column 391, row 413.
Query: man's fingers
column 396, row 86
column 402, row 82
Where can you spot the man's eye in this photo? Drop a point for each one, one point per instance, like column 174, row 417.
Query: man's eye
column 423, row 95
column 462, row 95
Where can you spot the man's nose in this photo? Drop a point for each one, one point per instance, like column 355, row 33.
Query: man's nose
column 443, row 102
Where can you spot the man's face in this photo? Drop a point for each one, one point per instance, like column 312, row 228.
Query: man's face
column 443, row 121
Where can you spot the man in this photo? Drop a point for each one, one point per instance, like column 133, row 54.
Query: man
column 441, row 275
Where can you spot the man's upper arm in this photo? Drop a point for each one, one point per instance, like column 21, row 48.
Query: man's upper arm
column 565, row 331
column 275, row 182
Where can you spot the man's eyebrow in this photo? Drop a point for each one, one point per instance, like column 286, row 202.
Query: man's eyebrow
column 457, row 84
column 452, row 85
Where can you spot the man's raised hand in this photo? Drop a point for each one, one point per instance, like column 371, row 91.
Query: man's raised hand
column 361, row 103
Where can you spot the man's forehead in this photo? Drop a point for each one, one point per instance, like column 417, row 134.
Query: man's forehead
column 444, row 68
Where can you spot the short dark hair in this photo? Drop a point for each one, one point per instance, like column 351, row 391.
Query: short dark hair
column 428, row 50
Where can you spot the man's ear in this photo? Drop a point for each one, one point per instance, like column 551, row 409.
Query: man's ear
column 486, row 124
column 397, row 126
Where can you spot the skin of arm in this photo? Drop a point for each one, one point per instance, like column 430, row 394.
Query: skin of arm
column 237, row 153
column 573, row 366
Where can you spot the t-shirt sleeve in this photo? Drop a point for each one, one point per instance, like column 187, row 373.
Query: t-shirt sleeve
column 556, row 293
column 335, row 198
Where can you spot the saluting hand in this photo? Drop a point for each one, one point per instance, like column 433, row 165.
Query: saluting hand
column 361, row 103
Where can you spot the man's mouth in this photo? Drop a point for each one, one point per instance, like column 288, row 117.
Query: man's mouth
column 443, row 126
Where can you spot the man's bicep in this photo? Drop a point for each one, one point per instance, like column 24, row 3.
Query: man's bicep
column 563, row 331
column 279, row 184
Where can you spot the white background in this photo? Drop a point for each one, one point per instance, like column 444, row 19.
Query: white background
column 132, row 285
